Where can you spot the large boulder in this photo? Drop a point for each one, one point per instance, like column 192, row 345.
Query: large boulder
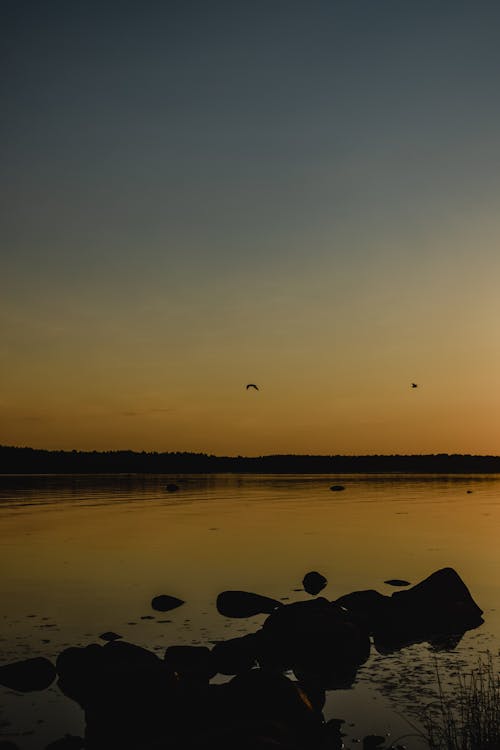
column 191, row 663
column 97, row 675
column 441, row 600
column 28, row 675
column 313, row 638
column 259, row 709
column 368, row 608
column 440, row 605
column 237, row 654
column 130, row 696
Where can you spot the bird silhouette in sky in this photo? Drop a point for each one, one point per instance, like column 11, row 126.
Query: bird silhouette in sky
column 252, row 385
column 414, row 385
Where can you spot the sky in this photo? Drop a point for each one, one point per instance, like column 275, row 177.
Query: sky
column 299, row 194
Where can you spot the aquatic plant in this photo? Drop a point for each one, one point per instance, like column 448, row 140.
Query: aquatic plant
column 466, row 716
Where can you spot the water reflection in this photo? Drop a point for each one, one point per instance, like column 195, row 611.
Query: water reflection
column 81, row 557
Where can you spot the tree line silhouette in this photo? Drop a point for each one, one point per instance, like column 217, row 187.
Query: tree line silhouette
column 21, row 460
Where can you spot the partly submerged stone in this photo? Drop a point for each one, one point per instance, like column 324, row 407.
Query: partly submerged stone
column 109, row 635
column 397, row 582
column 337, row 487
column 164, row 603
column 314, row 582
column 244, row 604
column 440, row 605
column 28, row 675
column 442, row 600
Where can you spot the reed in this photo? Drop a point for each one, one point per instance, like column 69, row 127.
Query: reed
column 466, row 716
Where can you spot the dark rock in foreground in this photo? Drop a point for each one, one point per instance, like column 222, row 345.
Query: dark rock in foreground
column 315, row 638
column 245, row 604
column 172, row 487
column 237, row 655
column 28, row 675
column 191, row 662
column 314, row 582
column 135, row 701
column 439, row 605
column 164, row 603
column 337, row 487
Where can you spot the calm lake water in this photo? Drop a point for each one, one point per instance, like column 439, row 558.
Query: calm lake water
column 82, row 555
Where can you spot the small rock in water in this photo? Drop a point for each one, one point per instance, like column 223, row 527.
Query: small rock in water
column 397, row 582
column 110, row 636
column 314, row 582
column 172, row 487
column 337, row 487
column 31, row 674
column 164, row 603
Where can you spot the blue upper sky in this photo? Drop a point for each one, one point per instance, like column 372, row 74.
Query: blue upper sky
column 241, row 176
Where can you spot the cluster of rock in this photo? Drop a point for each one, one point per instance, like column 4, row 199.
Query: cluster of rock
column 133, row 700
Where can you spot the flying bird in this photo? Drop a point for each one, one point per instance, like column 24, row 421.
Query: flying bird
column 414, row 385
column 252, row 385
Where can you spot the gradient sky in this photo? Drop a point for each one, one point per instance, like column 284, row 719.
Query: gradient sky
column 303, row 195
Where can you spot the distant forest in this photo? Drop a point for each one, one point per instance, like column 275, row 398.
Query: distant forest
column 15, row 460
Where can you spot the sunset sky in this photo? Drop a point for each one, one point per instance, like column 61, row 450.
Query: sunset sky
column 299, row 194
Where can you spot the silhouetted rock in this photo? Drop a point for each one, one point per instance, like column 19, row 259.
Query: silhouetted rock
column 172, row 487
column 164, row 603
column 28, row 675
column 236, row 654
column 68, row 742
column 368, row 608
column 244, row 604
column 438, row 607
column 96, row 674
column 110, row 636
column 273, row 708
column 314, row 582
column 397, row 582
column 337, row 487
column 191, row 662
column 7, row 745
column 316, row 639
column 441, row 602
column 129, row 695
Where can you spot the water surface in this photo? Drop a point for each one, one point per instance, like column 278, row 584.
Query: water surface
column 80, row 555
